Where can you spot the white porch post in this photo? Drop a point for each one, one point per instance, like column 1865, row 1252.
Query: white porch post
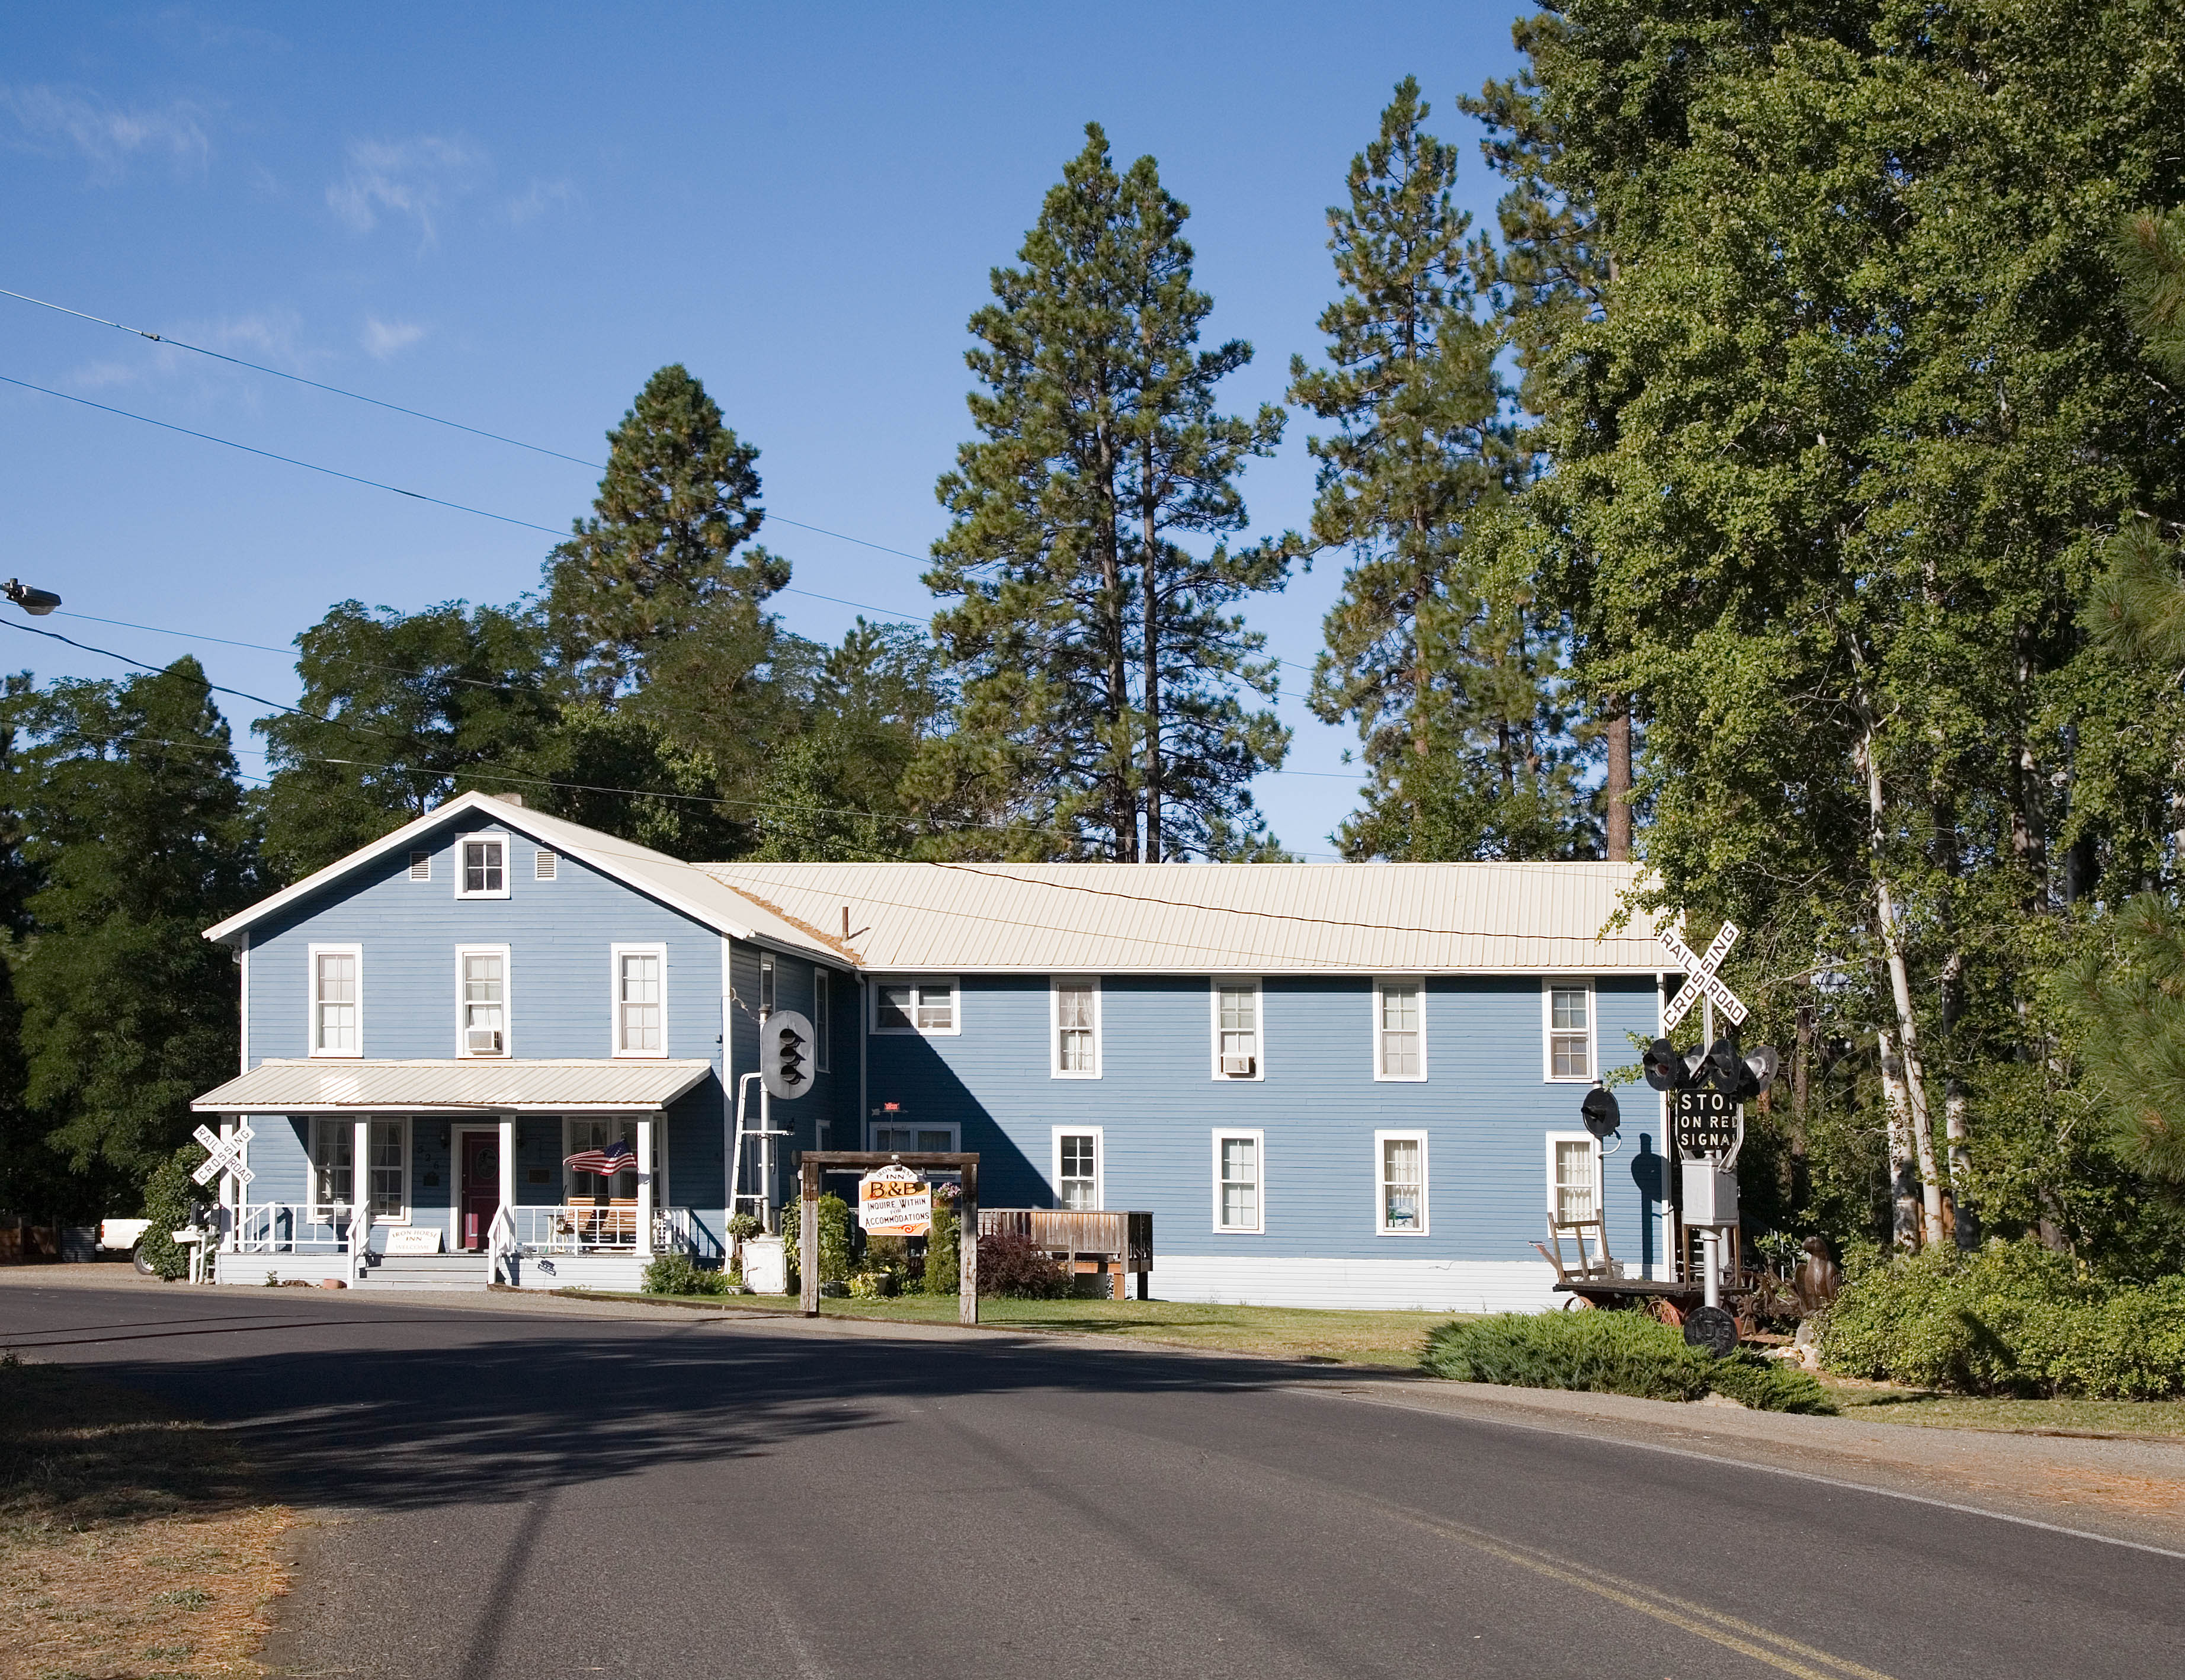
column 359, row 1184
column 229, row 1191
column 645, row 1188
column 508, row 1165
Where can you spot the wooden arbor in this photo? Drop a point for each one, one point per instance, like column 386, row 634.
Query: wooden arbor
column 813, row 1163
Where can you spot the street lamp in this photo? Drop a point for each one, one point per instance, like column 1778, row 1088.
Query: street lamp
column 36, row 602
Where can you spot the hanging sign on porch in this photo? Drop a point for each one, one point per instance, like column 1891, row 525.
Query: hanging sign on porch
column 895, row 1200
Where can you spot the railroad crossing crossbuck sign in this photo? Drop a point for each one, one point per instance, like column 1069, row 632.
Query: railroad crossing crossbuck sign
column 1703, row 983
column 227, row 1155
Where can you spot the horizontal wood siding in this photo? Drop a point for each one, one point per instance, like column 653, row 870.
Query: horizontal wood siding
column 1485, row 1105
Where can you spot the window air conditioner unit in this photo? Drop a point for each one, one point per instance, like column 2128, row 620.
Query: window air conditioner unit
column 1237, row 1067
column 484, row 1040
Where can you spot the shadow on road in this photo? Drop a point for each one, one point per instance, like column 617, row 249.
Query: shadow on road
column 472, row 1417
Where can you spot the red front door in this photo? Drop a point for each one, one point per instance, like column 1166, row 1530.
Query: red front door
column 481, row 1186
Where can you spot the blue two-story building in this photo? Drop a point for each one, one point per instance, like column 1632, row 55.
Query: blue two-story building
column 1332, row 1084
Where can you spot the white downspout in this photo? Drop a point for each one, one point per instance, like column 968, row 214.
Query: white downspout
column 645, row 1186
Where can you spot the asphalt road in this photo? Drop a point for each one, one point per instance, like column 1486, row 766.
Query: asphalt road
column 525, row 1498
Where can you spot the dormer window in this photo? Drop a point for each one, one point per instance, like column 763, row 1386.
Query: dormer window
column 481, row 867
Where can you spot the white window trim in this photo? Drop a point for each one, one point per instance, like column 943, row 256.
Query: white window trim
column 953, row 1128
column 1550, row 986
column 1381, row 1228
column 913, row 1031
column 1600, row 1166
column 1259, row 1033
column 508, row 858
column 343, row 1126
column 1373, row 1016
column 1098, row 1135
column 507, row 1004
column 770, row 984
column 1221, row 1134
column 615, row 954
column 409, row 1199
column 822, row 1019
column 312, row 1000
column 1055, row 1068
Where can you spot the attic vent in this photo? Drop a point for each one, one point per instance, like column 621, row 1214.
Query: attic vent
column 421, row 866
column 548, row 862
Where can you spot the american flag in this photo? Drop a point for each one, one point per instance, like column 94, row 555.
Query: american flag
column 617, row 1158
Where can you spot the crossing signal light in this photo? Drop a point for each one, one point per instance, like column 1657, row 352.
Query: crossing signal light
column 1599, row 1112
column 1668, row 1069
column 1737, row 1075
column 785, row 1054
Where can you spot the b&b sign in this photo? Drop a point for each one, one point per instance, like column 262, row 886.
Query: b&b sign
column 894, row 1201
column 1704, row 1122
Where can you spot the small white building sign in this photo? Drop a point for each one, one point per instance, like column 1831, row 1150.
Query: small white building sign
column 895, row 1200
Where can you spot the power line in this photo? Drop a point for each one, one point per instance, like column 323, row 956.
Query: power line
column 457, row 425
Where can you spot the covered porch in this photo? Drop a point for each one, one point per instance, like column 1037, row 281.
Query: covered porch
column 451, row 1174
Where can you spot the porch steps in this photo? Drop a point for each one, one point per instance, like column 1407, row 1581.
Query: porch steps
column 424, row 1271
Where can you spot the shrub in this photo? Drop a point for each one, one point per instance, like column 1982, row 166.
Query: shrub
column 680, row 1275
column 944, row 1256
column 743, row 1226
column 1014, row 1266
column 1601, row 1352
column 168, row 1195
column 2012, row 1318
column 834, row 1238
column 1766, row 1384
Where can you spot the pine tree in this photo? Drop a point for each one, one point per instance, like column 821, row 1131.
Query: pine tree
column 138, row 828
column 1098, row 656
column 658, row 559
column 1440, row 662
column 398, row 712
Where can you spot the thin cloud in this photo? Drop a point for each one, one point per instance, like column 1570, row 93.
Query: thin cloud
column 55, row 119
column 385, row 338
column 410, row 178
column 537, row 199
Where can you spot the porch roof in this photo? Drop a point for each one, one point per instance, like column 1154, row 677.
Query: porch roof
column 541, row 1086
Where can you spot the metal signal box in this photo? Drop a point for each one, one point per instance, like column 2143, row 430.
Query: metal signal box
column 1710, row 1194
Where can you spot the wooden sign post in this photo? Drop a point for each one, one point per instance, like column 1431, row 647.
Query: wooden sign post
column 813, row 1164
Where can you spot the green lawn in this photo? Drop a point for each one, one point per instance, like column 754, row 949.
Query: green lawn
column 1882, row 1403
column 1351, row 1338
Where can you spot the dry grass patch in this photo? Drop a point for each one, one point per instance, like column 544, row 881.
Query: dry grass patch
column 1890, row 1402
column 133, row 1545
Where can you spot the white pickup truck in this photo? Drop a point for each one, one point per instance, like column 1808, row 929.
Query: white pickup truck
column 122, row 1236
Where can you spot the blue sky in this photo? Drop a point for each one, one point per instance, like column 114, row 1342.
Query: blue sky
column 510, row 215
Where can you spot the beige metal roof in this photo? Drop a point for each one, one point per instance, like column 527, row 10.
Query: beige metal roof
column 1216, row 917
column 540, row 1086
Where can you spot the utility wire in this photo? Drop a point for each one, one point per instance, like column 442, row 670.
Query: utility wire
column 455, row 424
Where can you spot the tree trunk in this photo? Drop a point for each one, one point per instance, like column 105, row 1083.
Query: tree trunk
column 1904, row 1175
column 1618, row 788
column 1149, row 563
column 1123, row 812
column 1913, row 1075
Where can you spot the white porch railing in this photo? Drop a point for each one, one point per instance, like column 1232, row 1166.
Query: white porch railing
column 290, row 1228
column 587, row 1228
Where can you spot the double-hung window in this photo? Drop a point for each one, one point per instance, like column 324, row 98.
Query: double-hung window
column 389, row 1185
column 1077, row 1166
column 915, row 1006
column 766, row 984
column 481, row 866
column 641, row 1000
column 582, row 1135
column 904, row 1138
column 333, row 1190
column 1073, row 1007
column 482, row 1001
column 1399, row 1030
column 336, row 977
column 1238, row 1169
column 1566, row 1024
column 1237, row 1030
column 1573, row 1176
column 1400, row 1167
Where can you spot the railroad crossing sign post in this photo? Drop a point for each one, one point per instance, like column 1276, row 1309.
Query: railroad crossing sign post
column 227, row 1154
column 1708, row 1143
